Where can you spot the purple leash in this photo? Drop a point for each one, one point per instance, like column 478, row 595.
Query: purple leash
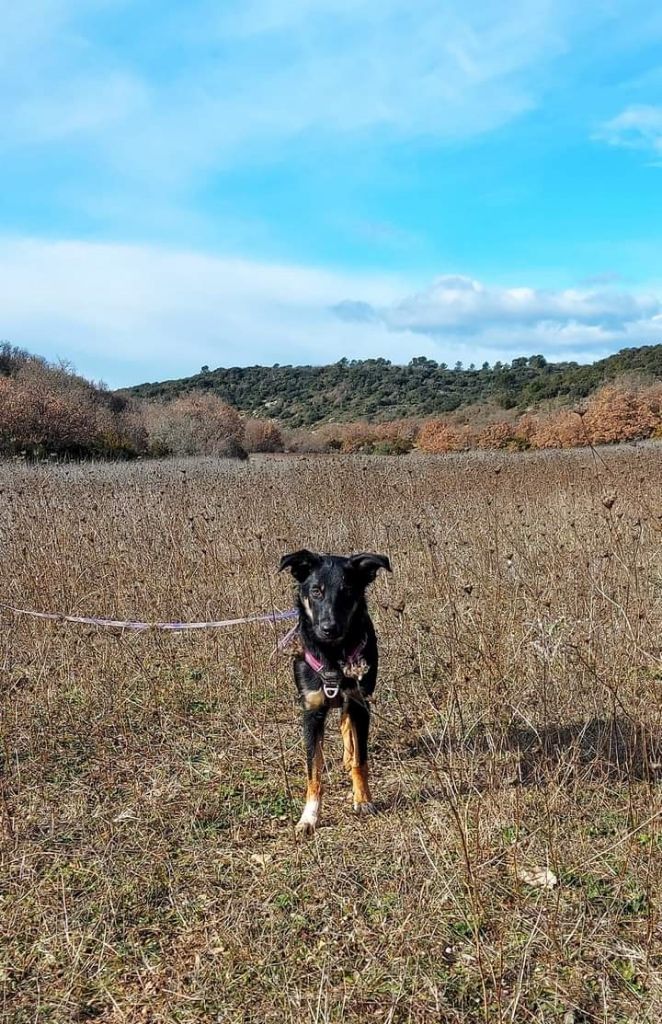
column 172, row 627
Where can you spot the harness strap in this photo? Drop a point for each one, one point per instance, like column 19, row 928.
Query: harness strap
column 331, row 689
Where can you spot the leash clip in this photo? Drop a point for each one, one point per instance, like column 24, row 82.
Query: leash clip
column 331, row 683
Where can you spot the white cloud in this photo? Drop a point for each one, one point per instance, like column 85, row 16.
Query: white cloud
column 490, row 322
column 462, row 304
column 262, row 74
column 131, row 313
column 636, row 127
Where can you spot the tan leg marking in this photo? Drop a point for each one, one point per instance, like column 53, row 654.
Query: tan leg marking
column 310, row 814
column 347, row 734
column 362, row 800
column 361, row 790
column 313, row 699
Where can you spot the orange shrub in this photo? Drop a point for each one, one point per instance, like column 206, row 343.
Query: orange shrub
column 497, row 436
column 398, row 430
column 562, row 429
column 526, row 427
column 623, row 414
column 437, row 436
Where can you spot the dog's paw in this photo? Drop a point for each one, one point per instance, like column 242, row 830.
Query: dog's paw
column 308, row 820
column 364, row 809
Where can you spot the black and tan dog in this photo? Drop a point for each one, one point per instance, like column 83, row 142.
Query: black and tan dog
column 336, row 665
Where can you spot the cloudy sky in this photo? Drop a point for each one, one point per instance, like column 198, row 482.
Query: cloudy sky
column 239, row 181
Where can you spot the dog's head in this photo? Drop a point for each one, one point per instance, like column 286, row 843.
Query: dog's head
column 332, row 588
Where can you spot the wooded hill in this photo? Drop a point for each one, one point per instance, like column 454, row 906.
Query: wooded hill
column 376, row 389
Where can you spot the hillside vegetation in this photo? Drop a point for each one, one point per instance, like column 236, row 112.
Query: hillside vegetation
column 376, row 389
column 49, row 411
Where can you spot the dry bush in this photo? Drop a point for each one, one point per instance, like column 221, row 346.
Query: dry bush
column 561, row 429
column 357, row 437
column 525, row 428
column 49, row 410
column 13, row 359
column 350, row 438
column 438, row 437
column 395, row 437
column 195, row 424
column 42, row 410
column 497, row 436
column 262, row 436
column 616, row 413
column 613, row 414
column 653, row 398
column 480, row 415
column 127, row 424
column 304, row 440
column 403, row 429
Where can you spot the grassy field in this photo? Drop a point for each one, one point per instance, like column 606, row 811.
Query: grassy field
column 149, row 784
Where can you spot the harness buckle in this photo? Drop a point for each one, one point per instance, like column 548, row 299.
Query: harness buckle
column 331, row 683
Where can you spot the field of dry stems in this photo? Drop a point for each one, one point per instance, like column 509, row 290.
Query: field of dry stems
column 149, row 783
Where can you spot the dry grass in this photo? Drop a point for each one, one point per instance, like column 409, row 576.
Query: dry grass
column 149, row 783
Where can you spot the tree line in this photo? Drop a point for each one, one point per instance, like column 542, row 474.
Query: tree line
column 378, row 390
column 47, row 410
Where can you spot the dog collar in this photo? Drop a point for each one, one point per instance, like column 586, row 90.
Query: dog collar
column 348, row 668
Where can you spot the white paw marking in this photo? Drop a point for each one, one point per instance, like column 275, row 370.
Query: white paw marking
column 308, row 819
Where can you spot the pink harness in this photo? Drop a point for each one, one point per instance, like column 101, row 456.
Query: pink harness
column 330, row 689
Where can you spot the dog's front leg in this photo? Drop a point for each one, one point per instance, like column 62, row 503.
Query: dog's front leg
column 313, row 732
column 354, row 726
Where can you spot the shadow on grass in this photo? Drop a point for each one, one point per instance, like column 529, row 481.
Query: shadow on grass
column 616, row 749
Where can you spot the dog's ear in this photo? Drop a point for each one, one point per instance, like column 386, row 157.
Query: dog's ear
column 368, row 565
column 300, row 563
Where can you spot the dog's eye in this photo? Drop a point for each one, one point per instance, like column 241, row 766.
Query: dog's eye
column 315, row 592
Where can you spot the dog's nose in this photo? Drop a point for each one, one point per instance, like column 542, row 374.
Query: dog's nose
column 328, row 630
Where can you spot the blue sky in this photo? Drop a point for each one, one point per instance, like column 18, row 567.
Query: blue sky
column 301, row 180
